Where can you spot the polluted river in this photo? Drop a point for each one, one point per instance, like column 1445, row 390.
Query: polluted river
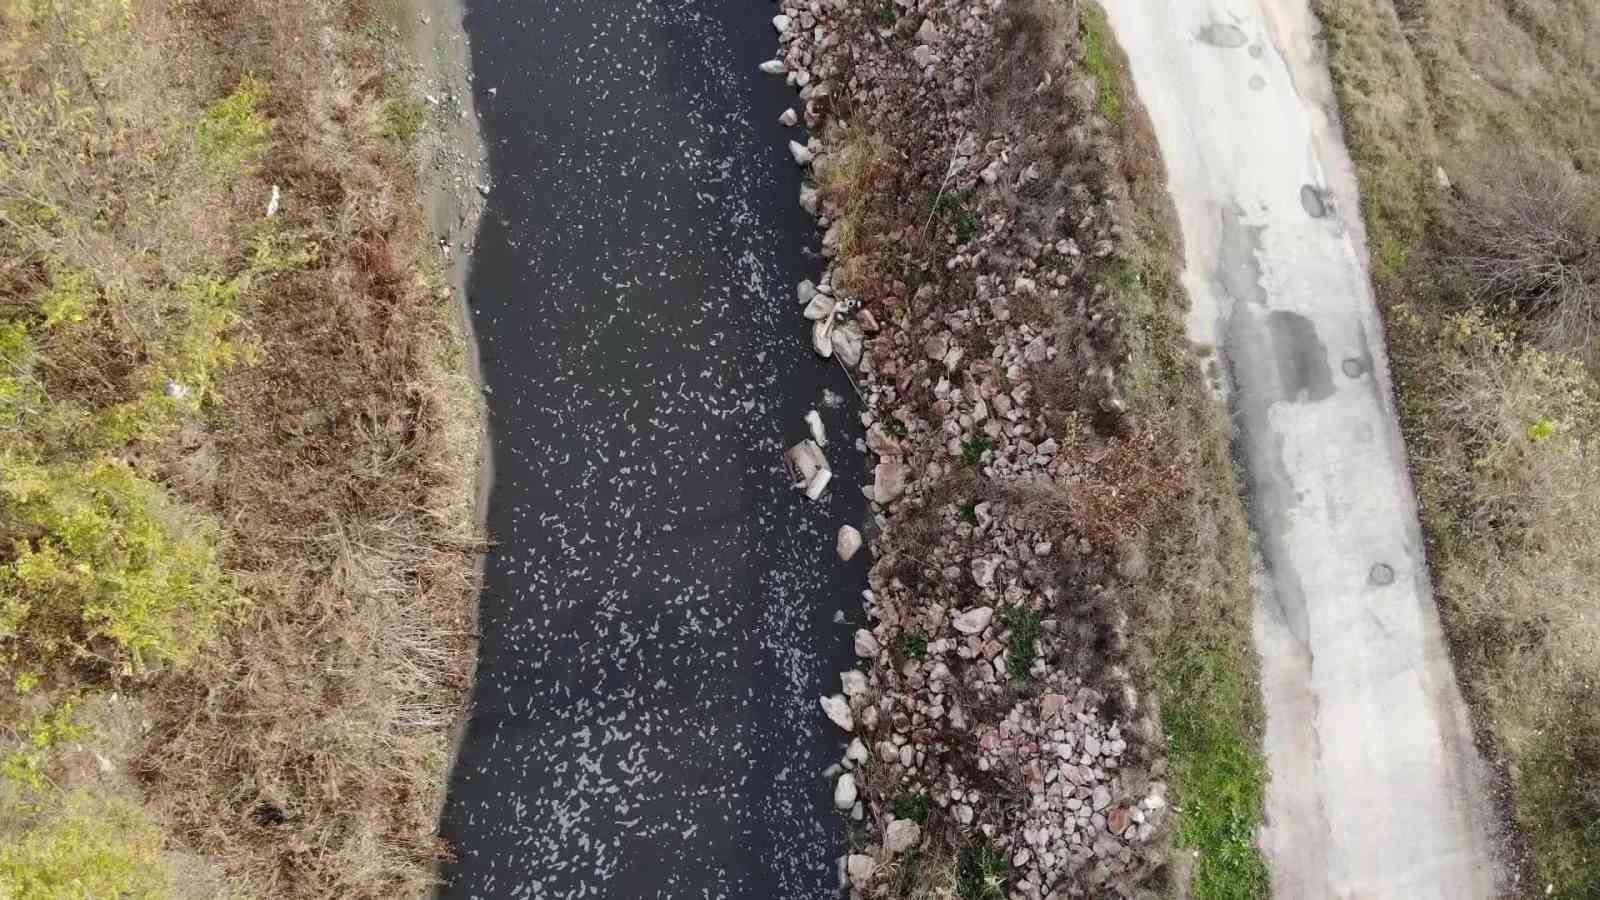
column 661, row 607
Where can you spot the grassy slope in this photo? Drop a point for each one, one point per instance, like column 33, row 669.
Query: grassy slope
column 1499, row 430
column 236, row 524
column 1198, row 597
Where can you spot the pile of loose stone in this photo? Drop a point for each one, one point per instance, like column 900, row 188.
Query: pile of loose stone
column 1030, row 765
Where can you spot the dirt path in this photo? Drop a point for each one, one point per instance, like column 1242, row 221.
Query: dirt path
column 1376, row 789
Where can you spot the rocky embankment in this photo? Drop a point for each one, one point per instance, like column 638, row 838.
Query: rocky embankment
column 962, row 172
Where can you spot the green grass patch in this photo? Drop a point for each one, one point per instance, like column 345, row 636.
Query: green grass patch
column 233, row 131
column 89, row 849
column 1154, row 335
column 1022, row 648
column 981, row 873
column 954, row 208
column 911, row 645
column 968, row 512
column 403, row 119
column 25, row 766
column 972, row 451
column 113, row 557
column 1096, row 57
column 1217, row 768
column 910, row 806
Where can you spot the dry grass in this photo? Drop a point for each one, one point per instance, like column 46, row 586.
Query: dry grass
column 1488, row 290
column 302, row 754
column 1526, row 241
column 847, row 178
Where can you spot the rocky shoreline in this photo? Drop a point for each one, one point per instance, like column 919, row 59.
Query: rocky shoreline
column 972, row 207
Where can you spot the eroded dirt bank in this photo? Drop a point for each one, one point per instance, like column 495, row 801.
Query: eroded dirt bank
column 1376, row 789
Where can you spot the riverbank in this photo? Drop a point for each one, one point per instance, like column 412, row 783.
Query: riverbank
column 1056, row 686
column 242, row 454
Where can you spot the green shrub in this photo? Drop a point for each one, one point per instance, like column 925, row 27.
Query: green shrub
column 21, row 395
column 972, row 451
column 1023, row 645
column 232, row 132
column 403, row 120
column 106, row 554
column 912, row 645
column 910, row 806
column 25, row 766
column 955, row 208
column 89, row 850
column 982, row 873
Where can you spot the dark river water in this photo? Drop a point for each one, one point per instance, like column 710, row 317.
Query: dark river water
column 661, row 611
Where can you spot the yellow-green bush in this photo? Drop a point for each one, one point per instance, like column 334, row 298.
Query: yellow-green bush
column 90, row 849
column 233, row 130
column 99, row 551
column 24, row 767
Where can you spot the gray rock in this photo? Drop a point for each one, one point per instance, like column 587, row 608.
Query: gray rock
column 801, row 155
column 889, row 481
column 867, row 646
column 974, row 620
column 774, row 67
column 838, row 711
column 853, row 682
column 901, row 835
column 860, row 868
column 844, row 791
column 928, row 33
column 983, row 571
column 849, row 542
column 788, row 117
column 820, row 308
column 822, row 337
column 1101, row 797
column 847, row 343
column 806, row 290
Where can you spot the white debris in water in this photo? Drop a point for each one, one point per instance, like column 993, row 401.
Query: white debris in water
column 814, row 420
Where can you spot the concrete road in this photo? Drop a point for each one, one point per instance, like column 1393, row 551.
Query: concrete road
column 1376, row 788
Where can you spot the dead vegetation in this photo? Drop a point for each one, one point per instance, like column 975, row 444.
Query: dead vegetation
column 1472, row 128
column 1525, row 240
column 287, row 394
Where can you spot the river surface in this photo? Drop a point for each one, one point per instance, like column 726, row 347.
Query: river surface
column 661, row 611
